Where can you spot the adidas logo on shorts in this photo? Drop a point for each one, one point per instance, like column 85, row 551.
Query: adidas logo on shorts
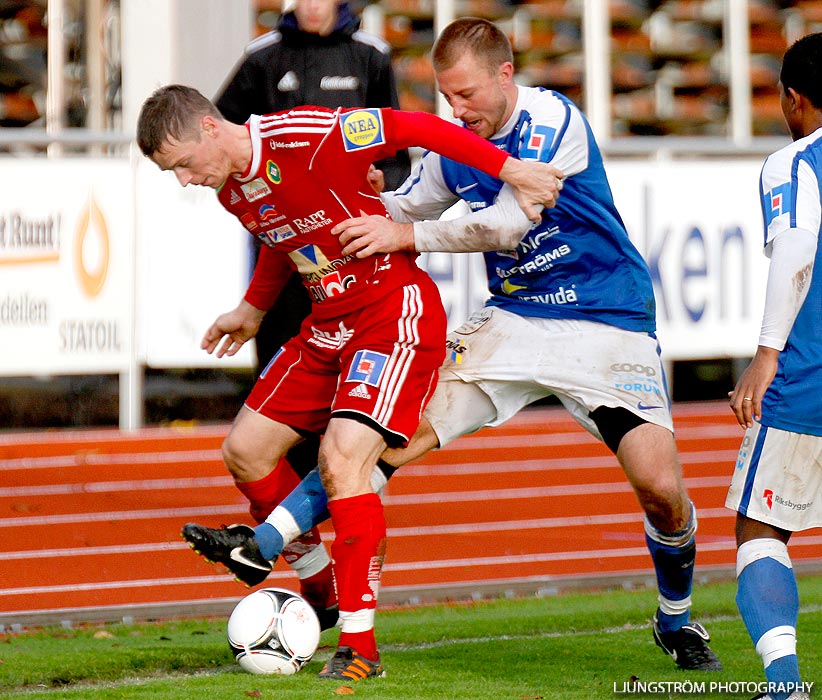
column 360, row 392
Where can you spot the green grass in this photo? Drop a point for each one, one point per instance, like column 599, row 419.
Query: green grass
column 568, row 646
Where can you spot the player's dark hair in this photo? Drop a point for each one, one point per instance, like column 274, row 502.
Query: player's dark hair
column 802, row 68
column 173, row 111
column 479, row 36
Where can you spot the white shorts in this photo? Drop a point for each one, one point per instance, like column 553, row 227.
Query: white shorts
column 498, row 362
column 778, row 479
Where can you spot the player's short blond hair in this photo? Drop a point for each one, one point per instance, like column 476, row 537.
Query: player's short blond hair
column 482, row 38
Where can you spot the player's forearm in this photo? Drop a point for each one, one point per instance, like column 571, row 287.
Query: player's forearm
column 789, row 277
column 499, row 227
column 270, row 276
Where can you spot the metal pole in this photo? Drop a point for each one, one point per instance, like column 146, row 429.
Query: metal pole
column 55, row 70
column 596, row 35
column 132, row 379
column 444, row 14
column 738, row 58
column 96, row 65
column 131, row 395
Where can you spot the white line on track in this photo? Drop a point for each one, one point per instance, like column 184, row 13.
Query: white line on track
column 111, row 459
column 186, row 484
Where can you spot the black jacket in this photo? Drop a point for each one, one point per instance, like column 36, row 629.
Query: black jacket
column 288, row 67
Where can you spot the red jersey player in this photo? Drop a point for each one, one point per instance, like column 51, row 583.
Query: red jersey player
column 365, row 361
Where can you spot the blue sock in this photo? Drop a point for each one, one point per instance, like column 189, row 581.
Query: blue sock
column 306, row 504
column 673, row 556
column 779, row 672
column 768, row 599
column 269, row 540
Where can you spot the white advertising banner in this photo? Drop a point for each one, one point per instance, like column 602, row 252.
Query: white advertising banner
column 66, row 266
column 74, row 282
column 194, row 265
column 699, row 227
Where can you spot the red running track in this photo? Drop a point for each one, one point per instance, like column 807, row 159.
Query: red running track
column 90, row 520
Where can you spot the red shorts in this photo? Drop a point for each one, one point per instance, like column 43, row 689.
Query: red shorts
column 377, row 364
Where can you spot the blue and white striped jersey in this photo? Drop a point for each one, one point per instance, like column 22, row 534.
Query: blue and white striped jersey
column 578, row 262
column 790, row 188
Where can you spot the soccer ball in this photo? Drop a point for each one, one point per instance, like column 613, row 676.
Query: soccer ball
column 273, row 631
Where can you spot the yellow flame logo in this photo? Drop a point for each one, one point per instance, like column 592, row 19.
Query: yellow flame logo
column 93, row 222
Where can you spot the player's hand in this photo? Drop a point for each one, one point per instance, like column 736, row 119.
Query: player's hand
column 535, row 184
column 370, row 235
column 746, row 398
column 376, row 178
column 232, row 329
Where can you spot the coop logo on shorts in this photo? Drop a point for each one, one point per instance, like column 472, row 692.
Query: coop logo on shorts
column 367, row 367
column 633, row 368
column 256, row 189
column 744, row 452
column 637, row 378
column 362, row 128
column 273, row 172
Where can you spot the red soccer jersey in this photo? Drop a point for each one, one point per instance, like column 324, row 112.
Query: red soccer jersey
column 308, row 172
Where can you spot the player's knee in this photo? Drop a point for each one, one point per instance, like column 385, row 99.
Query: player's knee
column 327, row 478
column 336, row 480
column 343, row 475
column 673, row 527
column 765, row 547
column 230, row 453
column 239, row 459
column 668, row 509
column 666, row 491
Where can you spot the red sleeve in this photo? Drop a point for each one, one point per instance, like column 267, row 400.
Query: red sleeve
column 443, row 137
column 270, row 275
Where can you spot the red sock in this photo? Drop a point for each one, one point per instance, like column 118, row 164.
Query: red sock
column 319, row 589
column 358, row 552
column 266, row 494
column 308, row 557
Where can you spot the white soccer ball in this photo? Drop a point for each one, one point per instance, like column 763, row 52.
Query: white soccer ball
column 273, row 631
